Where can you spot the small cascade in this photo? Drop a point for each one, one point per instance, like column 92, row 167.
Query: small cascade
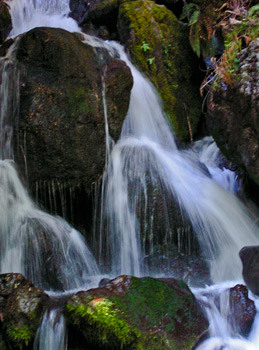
column 46, row 249
column 209, row 154
column 28, row 14
column 222, row 334
column 52, row 332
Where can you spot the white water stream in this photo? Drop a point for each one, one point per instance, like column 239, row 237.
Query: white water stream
column 145, row 155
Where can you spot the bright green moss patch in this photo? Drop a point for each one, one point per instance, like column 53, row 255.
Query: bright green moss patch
column 21, row 336
column 102, row 324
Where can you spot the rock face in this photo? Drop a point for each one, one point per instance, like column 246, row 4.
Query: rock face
column 158, row 45
column 5, row 21
column 242, row 310
column 21, row 306
column 79, row 10
column 61, row 134
column 135, row 313
column 250, row 260
column 101, row 12
column 233, row 114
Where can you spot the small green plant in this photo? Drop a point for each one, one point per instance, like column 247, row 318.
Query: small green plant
column 145, row 47
column 165, row 47
column 150, row 60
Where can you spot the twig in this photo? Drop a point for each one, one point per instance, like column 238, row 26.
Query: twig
column 189, row 124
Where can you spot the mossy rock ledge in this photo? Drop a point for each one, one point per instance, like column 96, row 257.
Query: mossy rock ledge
column 135, row 313
column 61, row 131
column 21, row 308
column 158, row 44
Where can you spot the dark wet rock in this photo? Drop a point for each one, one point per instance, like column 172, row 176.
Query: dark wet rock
column 158, row 44
column 79, row 10
column 5, row 21
column 189, row 268
column 103, row 282
column 130, row 313
column 5, row 46
column 61, row 135
column 242, row 310
column 233, row 115
column 21, row 306
column 103, row 11
column 3, row 345
column 250, row 261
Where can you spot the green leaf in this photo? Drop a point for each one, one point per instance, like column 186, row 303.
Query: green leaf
column 188, row 9
column 253, row 9
column 195, row 40
column 194, row 18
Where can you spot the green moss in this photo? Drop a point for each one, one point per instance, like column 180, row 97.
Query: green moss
column 106, row 324
column 172, row 64
column 20, row 336
column 151, row 314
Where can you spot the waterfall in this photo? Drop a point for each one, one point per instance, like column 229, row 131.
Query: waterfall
column 28, row 14
column 146, row 155
column 144, row 167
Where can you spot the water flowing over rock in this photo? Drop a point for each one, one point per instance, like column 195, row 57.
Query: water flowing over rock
column 158, row 45
column 21, row 306
column 134, row 313
column 233, row 114
column 5, row 21
column 61, row 134
column 250, row 260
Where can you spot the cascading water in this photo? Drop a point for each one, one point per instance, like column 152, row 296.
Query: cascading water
column 28, row 14
column 146, row 155
column 44, row 248
column 144, row 160
column 52, row 332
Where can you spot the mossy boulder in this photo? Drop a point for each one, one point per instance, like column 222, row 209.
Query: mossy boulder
column 136, row 313
column 21, row 307
column 61, row 131
column 5, row 21
column 158, row 44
